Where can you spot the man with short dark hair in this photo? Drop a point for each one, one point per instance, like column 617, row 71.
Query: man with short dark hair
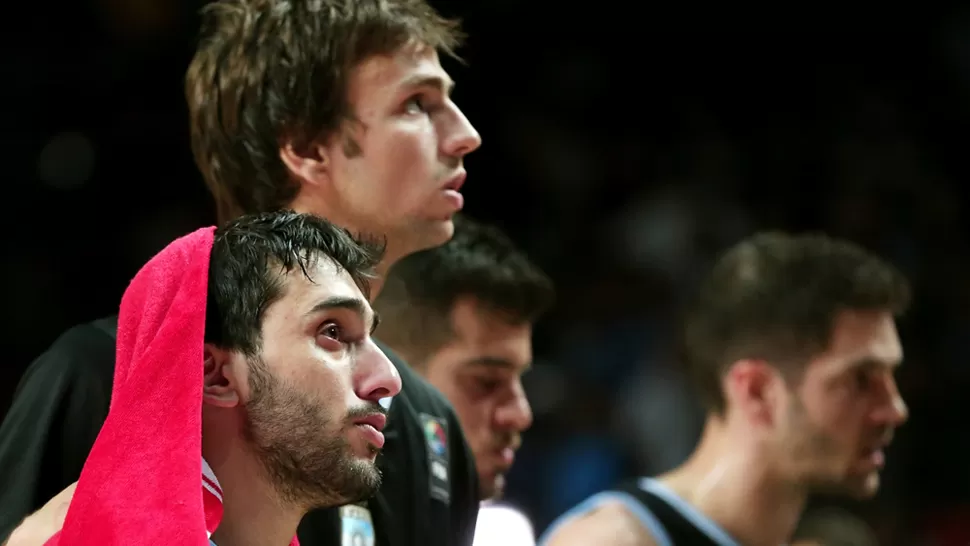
column 792, row 344
column 462, row 315
column 247, row 390
column 339, row 108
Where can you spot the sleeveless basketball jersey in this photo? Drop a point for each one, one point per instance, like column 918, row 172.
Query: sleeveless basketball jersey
column 669, row 519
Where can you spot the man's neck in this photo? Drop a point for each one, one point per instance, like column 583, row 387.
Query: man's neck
column 392, row 251
column 377, row 283
column 728, row 480
column 253, row 514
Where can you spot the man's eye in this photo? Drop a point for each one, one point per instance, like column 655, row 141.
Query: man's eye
column 331, row 330
column 414, row 106
column 488, row 385
column 862, row 379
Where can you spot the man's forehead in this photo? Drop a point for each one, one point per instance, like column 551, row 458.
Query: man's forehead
column 869, row 331
column 326, row 279
column 499, row 361
column 863, row 339
column 408, row 66
column 494, row 343
column 476, row 320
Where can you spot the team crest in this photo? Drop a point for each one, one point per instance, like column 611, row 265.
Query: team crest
column 356, row 526
column 436, row 437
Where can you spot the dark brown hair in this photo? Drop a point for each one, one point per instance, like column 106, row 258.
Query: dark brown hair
column 251, row 256
column 774, row 297
column 479, row 262
column 265, row 70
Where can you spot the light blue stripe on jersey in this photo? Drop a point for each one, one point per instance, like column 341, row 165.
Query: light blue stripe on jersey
column 703, row 523
column 646, row 517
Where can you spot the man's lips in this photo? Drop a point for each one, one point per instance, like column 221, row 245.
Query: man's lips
column 457, row 181
column 376, row 420
column 371, row 427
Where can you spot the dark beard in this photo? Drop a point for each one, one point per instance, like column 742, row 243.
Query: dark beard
column 813, row 444
column 302, row 450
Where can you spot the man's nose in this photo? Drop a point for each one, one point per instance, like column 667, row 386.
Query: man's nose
column 375, row 377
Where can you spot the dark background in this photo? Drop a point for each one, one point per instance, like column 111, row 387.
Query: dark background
column 624, row 146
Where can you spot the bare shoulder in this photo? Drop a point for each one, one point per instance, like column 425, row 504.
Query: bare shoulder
column 610, row 524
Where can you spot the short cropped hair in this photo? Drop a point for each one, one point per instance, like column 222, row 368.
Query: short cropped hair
column 479, row 262
column 775, row 296
column 269, row 70
column 251, row 256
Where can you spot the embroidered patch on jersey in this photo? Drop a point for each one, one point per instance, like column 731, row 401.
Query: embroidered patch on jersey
column 356, row 526
column 436, row 438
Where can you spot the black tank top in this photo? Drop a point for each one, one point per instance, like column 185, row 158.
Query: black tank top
column 680, row 529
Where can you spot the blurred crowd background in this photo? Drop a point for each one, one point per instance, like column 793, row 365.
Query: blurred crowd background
column 624, row 147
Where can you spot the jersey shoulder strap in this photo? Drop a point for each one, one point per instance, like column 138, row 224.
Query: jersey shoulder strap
column 683, row 524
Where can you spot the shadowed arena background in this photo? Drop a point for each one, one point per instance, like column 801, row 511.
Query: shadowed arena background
column 624, row 145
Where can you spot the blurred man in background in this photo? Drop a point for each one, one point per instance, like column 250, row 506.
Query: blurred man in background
column 792, row 344
column 462, row 314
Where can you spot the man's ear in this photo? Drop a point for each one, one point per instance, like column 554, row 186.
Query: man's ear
column 219, row 384
column 308, row 162
column 751, row 386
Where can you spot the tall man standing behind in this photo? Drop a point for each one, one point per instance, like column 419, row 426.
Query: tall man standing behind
column 338, row 108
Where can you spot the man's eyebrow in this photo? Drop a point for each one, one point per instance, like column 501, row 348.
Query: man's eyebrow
column 494, row 363
column 445, row 85
column 871, row 362
column 357, row 305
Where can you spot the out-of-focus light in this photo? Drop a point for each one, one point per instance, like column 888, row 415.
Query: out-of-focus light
column 503, row 526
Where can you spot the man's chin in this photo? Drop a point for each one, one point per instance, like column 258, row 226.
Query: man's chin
column 360, row 480
column 437, row 231
column 369, row 479
column 859, row 487
column 867, row 486
column 366, row 454
column 361, row 496
column 492, row 487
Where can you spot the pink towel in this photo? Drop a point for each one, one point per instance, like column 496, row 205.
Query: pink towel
column 141, row 485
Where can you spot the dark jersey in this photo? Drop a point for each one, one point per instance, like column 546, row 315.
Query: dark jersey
column 669, row 519
column 429, row 495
